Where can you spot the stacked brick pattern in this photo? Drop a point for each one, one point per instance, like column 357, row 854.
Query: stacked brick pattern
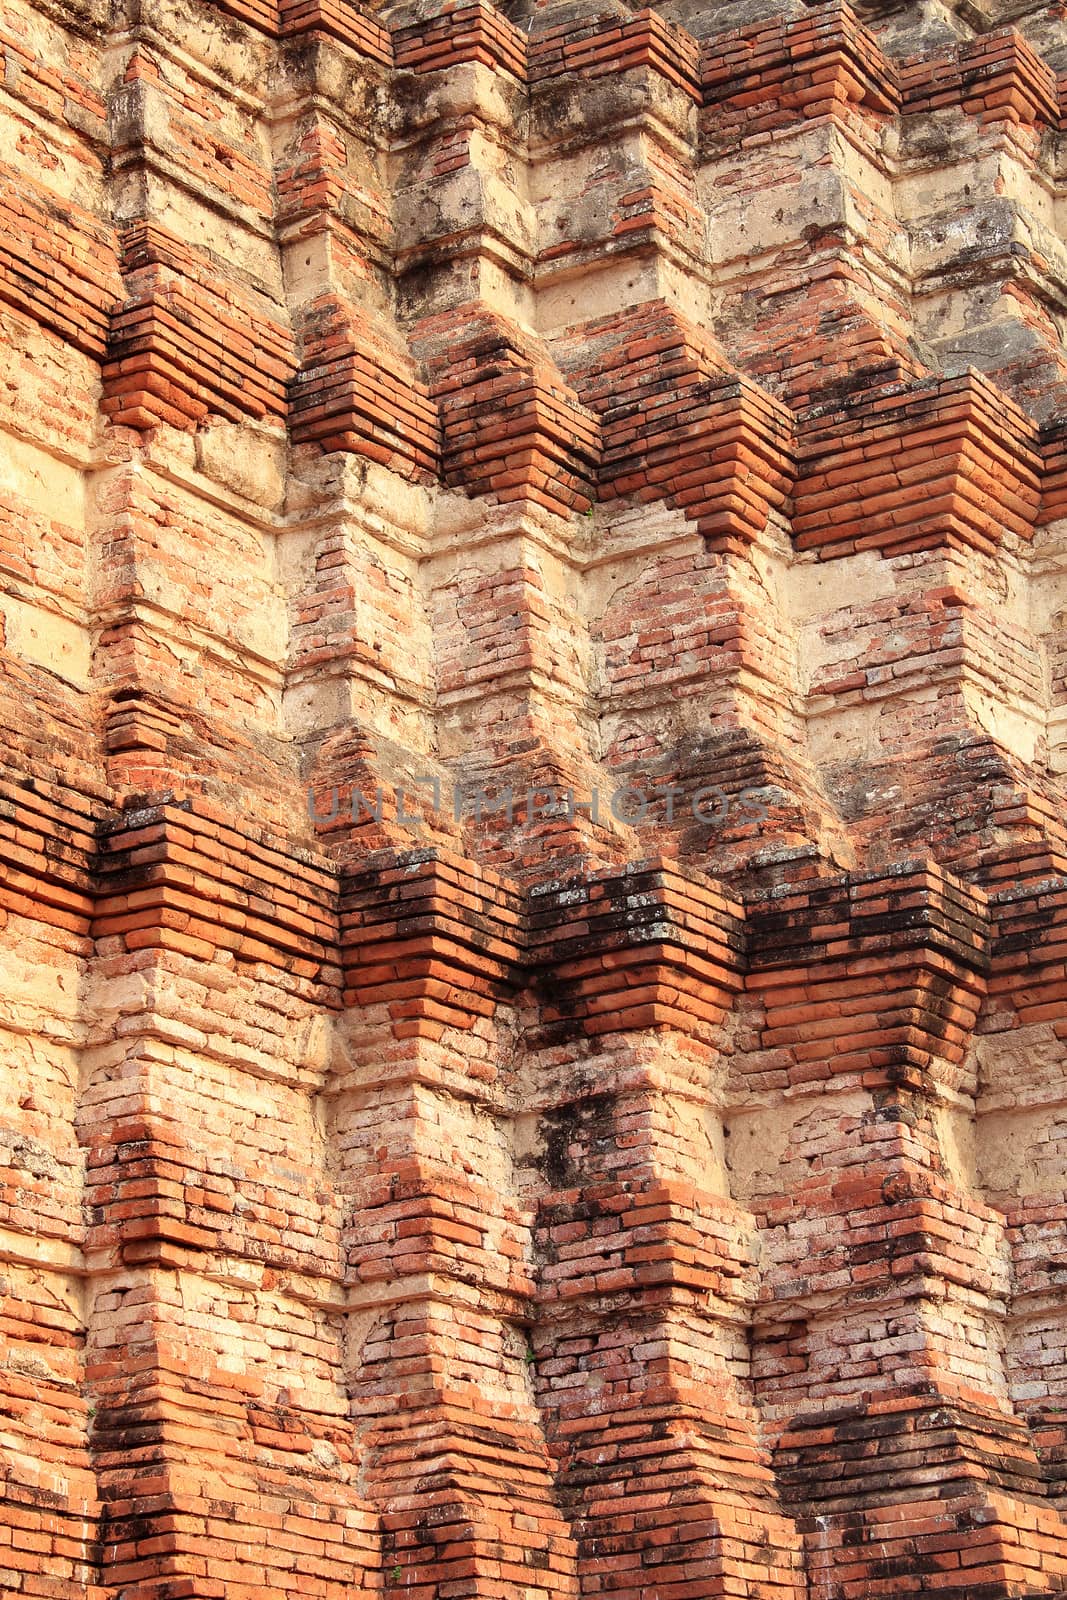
column 533, row 881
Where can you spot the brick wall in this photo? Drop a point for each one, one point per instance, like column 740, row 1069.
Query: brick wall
column 533, row 692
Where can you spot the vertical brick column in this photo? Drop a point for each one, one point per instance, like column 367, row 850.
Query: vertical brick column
column 58, row 284
column 436, row 1243
column 224, row 1452
column 792, row 124
column 921, row 661
column 49, row 1511
column 1006, row 101
column 190, row 690
column 885, row 1275
column 359, row 683
column 518, row 448
column 693, row 648
column 646, row 1266
column 1022, row 1134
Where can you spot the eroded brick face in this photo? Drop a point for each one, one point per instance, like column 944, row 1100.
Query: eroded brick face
column 413, row 1181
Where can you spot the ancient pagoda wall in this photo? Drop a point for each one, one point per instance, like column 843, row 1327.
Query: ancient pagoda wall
column 533, row 694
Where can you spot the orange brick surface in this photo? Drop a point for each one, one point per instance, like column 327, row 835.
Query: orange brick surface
column 533, row 738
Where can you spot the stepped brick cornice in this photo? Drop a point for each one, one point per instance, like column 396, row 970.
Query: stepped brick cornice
column 676, row 427
column 511, row 427
column 593, row 50
column 58, row 265
column 948, row 463
column 643, row 949
column 462, row 33
column 178, row 350
column 349, row 395
column 998, row 78
column 1054, row 478
column 764, row 77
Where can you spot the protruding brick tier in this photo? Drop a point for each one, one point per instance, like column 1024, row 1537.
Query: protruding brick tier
column 678, row 428
column 944, row 464
column 349, row 395
column 997, row 78
column 432, row 939
column 179, row 351
column 266, row 905
column 58, row 267
column 1054, row 480
column 641, row 949
column 459, row 34
column 350, row 24
column 511, row 427
column 593, row 50
column 767, row 75
column 343, row 20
